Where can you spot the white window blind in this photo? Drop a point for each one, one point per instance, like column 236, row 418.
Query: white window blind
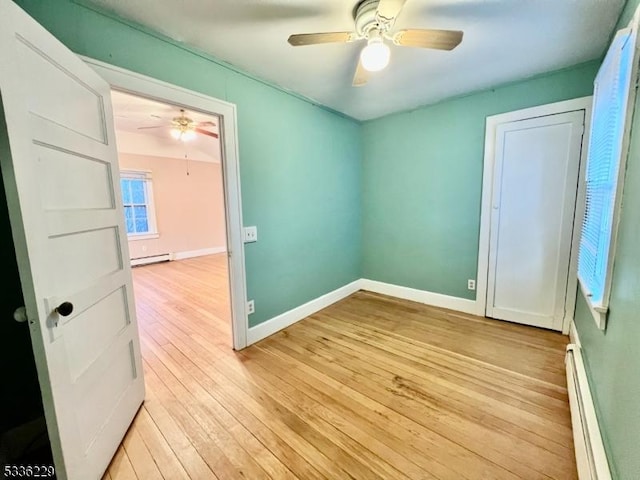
column 605, row 157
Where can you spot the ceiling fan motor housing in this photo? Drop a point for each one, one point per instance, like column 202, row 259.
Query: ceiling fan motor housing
column 366, row 18
column 182, row 122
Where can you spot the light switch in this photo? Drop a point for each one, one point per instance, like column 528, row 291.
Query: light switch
column 250, row 234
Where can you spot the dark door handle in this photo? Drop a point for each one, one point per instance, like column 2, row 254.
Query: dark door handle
column 64, row 309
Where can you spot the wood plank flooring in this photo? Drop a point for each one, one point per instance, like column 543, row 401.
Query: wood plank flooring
column 369, row 388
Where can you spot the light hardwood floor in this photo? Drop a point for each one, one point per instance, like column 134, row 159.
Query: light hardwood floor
column 371, row 387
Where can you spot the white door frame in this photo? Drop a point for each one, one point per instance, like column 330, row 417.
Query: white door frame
column 143, row 86
column 583, row 103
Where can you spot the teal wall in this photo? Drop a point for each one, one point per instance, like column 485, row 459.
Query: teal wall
column 422, row 182
column 300, row 164
column 613, row 357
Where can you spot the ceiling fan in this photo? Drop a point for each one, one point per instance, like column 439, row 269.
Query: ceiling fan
column 374, row 20
column 185, row 129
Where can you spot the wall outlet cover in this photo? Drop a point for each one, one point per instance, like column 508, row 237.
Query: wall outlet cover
column 250, row 234
column 251, row 307
column 471, row 284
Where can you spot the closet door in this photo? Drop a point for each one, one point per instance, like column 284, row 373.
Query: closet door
column 533, row 205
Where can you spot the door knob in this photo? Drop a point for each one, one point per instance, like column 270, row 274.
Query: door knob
column 64, row 309
column 20, row 315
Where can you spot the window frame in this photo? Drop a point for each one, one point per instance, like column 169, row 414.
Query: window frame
column 599, row 310
column 145, row 175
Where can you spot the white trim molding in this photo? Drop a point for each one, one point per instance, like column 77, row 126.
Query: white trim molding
column 198, row 253
column 134, row 237
column 420, row 296
column 492, row 124
column 591, row 458
column 599, row 314
column 573, row 335
column 286, row 319
column 164, row 257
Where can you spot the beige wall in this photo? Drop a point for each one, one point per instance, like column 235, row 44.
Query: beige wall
column 189, row 208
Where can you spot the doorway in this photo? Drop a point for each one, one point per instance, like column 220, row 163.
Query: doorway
column 145, row 87
column 530, row 226
column 171, row 180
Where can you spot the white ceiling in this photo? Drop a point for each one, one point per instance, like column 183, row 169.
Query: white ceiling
column 132, row 114
column 505, row 40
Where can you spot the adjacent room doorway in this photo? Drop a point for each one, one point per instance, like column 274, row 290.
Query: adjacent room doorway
column 172, row 189
column 203, row 109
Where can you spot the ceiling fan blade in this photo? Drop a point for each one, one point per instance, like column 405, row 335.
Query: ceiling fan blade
column 146, row 128
column 206, row 132
column 361, row 76
column 301, row 39
column 438, row 39
column 206, row 124
column 390, row 9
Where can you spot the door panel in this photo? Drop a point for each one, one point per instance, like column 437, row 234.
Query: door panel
column 82, row 107
column 99, row 390
column 93, row 325
column 75, row 259
column 62, row 181
column 88, row 188
column 533, row 204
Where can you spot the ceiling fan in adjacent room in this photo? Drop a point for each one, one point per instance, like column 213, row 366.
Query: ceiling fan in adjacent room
column 374, row 21
column 185, row 129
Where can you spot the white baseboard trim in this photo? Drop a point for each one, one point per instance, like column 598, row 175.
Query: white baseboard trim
column 591, row 458
column 269, row 327
column 197, row 253
column 136, row 262
column 421, row 296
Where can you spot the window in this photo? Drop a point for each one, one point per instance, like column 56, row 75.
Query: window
column 605, row 172
column 137, row 199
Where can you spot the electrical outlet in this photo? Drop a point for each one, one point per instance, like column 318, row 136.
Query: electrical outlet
column 250, row 234
column 251, row 307
column 471, row 284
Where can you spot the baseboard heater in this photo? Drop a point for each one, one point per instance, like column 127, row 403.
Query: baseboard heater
column 591, row 458
column 165, row 257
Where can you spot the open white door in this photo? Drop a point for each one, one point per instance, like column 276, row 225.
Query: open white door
column 60, row 170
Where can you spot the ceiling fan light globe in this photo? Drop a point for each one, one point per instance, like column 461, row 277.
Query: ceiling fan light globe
column 188, row 135
column 375, row 56
column 175, row 133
